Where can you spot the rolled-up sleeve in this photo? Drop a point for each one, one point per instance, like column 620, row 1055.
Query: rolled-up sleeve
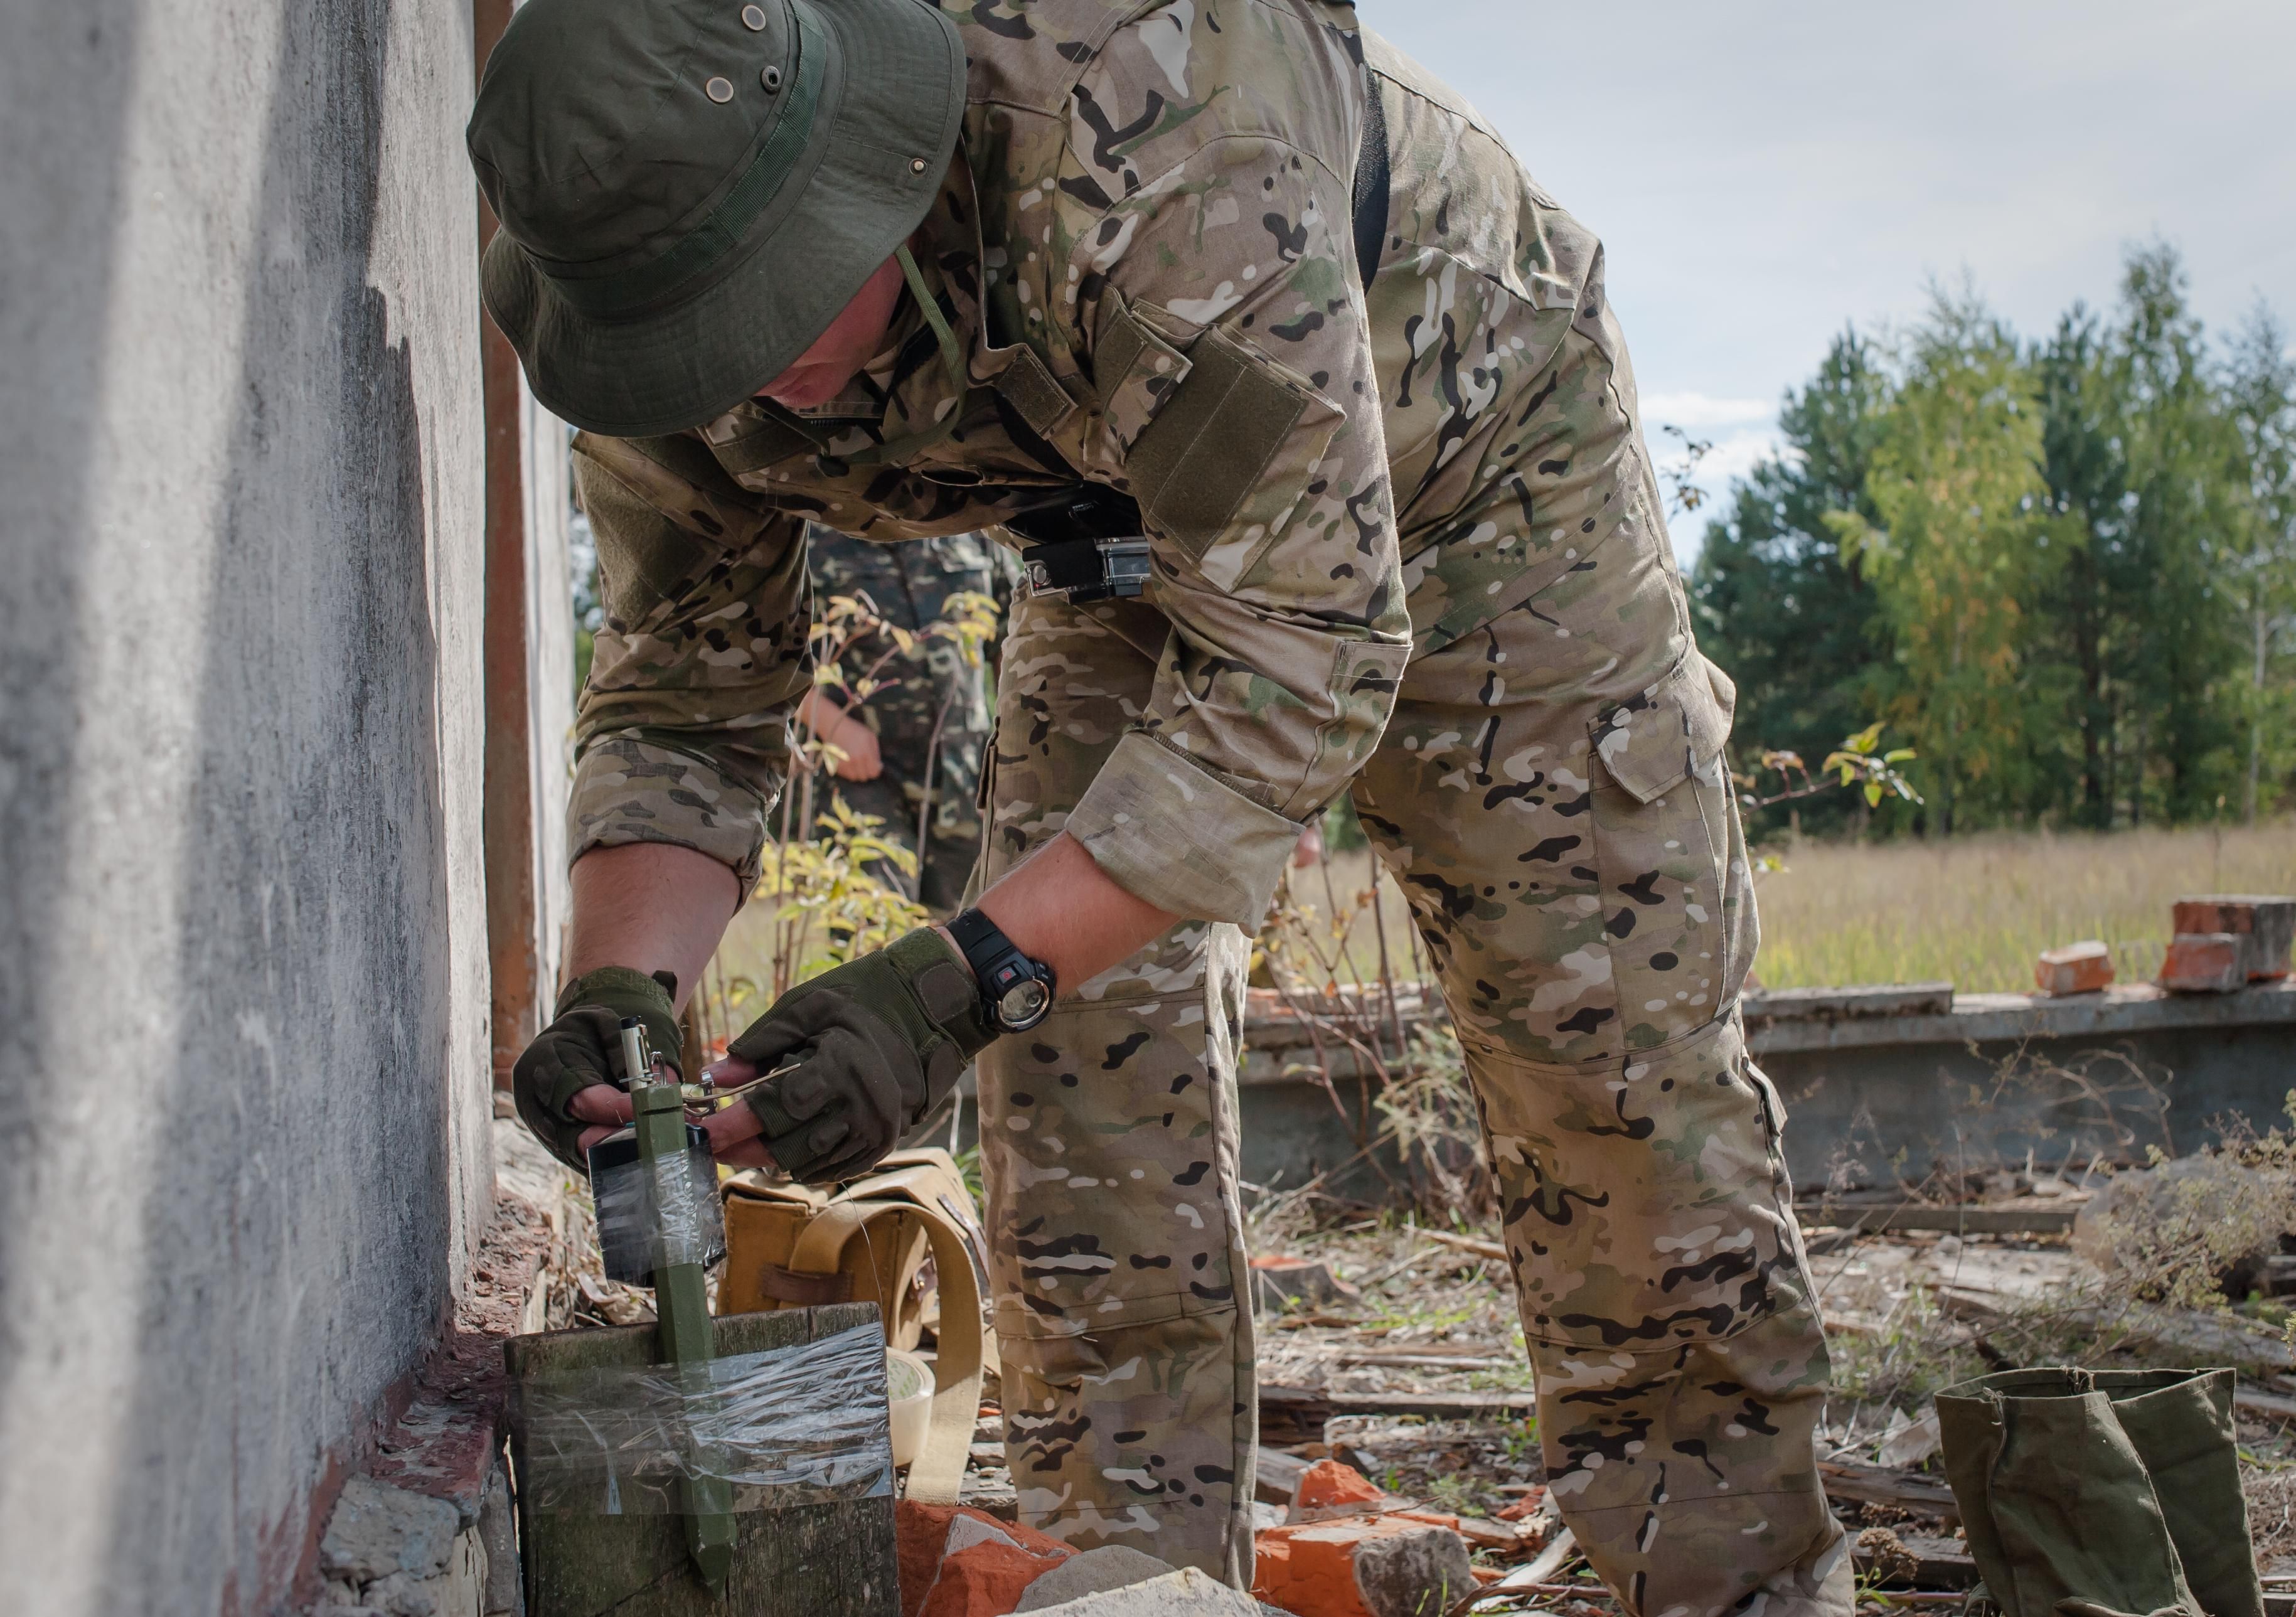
column 1233, row 362
column 682, row 730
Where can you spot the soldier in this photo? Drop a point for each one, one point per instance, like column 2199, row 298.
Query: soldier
column 914, row 748
column 1233, row 281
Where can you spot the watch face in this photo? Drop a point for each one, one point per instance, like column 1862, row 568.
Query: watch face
column 1024, row 1004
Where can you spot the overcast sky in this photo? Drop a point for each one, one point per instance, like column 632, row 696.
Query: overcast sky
column 1761, row 172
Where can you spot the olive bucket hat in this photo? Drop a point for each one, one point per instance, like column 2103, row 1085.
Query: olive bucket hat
column 690, row 191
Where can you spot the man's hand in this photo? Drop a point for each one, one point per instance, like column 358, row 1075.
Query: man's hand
column 874, row 1046
column 566, row 1078
column 844, row 730
column 863, row 762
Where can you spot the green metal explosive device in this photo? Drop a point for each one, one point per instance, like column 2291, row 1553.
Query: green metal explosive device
column 660, row 1224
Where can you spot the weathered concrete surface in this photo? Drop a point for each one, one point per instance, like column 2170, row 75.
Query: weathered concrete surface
column 1950, row 1081
column 241, row 968
column 426, row 1529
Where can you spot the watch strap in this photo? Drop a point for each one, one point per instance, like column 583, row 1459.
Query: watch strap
column 976, row 934
column 997, row 963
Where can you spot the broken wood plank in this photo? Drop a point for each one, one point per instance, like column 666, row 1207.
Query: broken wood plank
column 2270, row 1404
column 1939, row 1563
column 2212, row 1338
column 1477, row 1244
column 1293, row 1414
column 835, row 1559
column 1482, row 1532
column 1928, row 1216
column 1423, row 1361
column 1435, row 1405
column 1875, row 1485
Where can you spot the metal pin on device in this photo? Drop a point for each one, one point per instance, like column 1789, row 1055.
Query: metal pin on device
column 637, row 1068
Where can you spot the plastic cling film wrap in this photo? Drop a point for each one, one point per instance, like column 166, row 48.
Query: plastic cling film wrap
column 797, row 1425
column 676, row 1195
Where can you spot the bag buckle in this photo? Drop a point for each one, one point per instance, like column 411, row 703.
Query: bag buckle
column 1080, row 571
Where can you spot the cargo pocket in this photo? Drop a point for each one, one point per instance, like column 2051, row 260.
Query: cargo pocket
column 1106, row 1421
column 1674, row 904
column 1640, row 1199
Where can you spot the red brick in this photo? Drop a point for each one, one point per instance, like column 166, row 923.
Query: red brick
column 1361, row 1566
column 2265, row 924
column 2203, row 963
column 995, row 1562
column 2078, row 968
column 1329, row 1482
column 1527, row 1507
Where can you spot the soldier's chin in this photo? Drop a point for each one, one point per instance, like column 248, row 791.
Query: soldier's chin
column 803, row 386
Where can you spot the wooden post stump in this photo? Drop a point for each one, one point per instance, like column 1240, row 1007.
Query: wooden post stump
column 837, row 1559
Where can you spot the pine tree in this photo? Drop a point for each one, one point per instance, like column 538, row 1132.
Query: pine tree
column 2185, row 504
column 2261, row 392
column 1954, row 554
column 1779, row 607
column 2097, row 591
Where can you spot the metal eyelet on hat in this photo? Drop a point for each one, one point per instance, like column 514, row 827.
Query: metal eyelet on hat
column 753, row 18
column 771, row 78
column 719, row 89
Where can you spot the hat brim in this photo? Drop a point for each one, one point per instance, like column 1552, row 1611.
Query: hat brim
column 892, row 94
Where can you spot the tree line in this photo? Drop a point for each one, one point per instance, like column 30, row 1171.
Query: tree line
column 2062, row 570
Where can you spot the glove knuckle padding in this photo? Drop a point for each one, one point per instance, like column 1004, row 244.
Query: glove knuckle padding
column 582, row 1047
column 883, row 1039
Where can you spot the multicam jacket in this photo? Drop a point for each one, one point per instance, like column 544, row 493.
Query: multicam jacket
column 1144, row 248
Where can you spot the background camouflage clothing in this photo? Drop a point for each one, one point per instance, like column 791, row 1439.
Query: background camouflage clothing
column 930, row 710
column 1405, row 542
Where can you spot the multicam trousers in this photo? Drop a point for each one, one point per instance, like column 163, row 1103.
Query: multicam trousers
column 1550, row 795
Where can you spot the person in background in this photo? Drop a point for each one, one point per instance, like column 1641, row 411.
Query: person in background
column 915, row 748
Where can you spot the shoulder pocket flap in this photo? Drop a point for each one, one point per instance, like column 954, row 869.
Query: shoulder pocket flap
column 1135, row 372
column 1213, row 438
column 1650, row 744
column 679, row 478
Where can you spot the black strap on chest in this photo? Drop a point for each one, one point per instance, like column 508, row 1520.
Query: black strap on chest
column 1087, row 544
column 1371, row 180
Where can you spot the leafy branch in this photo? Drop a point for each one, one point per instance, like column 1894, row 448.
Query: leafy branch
column 1859, row 762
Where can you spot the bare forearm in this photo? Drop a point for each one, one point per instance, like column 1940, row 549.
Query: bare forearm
column 1061, row 908
column 653, row 906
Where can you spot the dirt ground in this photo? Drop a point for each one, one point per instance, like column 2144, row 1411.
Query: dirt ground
column 1418, row 1312
column 1906, row 1314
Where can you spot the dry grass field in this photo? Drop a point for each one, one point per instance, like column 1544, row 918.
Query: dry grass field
column 1975, row 911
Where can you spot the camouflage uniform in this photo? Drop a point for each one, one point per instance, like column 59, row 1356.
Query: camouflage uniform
column 1406, row 543
column 930, row 709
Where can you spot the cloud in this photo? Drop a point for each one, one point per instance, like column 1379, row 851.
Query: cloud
column 1736, row 456
column 1689, row 410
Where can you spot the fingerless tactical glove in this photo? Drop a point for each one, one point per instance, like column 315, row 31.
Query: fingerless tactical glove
column 879, row 1041
column 584, row 1046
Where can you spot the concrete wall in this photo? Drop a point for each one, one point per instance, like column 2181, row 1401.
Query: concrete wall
column 1887, row 1083
column 242, row 979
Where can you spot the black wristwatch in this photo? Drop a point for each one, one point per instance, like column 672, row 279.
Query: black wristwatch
column 1016, row 992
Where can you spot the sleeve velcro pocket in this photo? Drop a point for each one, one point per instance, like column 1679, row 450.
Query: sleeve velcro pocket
column 1136, row 371
column 679, row 478
column 1650, row 744
column 1215, row 440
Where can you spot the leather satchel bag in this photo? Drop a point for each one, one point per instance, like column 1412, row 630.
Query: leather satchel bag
column 906, row 1238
